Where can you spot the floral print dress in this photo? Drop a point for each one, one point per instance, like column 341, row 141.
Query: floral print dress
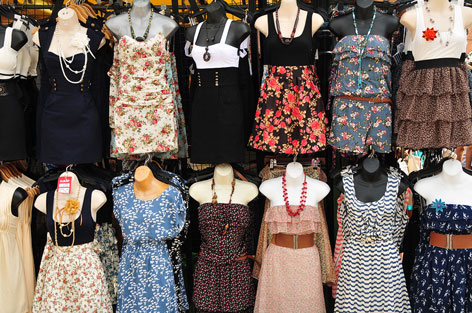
column 146, row 113
column 362, row 114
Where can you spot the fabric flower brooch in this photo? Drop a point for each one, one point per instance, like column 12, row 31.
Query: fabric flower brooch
column 430, row 34
column 439, row 205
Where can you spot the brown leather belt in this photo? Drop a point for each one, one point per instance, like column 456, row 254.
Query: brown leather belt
column 293, row 241
column 450, row 241
column 373, row 100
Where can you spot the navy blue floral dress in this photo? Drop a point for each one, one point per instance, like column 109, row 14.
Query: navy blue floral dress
column 442, row 278
column 362, row 114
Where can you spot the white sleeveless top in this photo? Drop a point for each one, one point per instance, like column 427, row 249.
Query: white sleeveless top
column 8, row 56
column 434, row 49
column 222, row 54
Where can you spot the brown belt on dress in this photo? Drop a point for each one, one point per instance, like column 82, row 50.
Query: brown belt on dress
column 450, row 241
column 374, row 100
column 293, row 241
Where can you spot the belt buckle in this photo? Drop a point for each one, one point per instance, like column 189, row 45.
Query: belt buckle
column 449, row 241
column 295, row 241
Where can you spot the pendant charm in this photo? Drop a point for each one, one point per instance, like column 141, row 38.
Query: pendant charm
column 439, row 205
column 139, row 39
column 225, row 231
column 430, row 34
column 206, row 55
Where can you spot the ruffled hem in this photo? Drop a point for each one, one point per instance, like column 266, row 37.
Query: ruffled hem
column 278, row 214
column 436, row 134
column 433, row 81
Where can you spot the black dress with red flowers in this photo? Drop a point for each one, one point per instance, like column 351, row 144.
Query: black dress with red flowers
column 223, row 281
column 290, row 116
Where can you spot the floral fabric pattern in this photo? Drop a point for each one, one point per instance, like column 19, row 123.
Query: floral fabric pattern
column 441, row 277
column 359, row 123
column 290, row 116
column 108, row 253
column 142, row 107
column 146, row 274
column 71, row 280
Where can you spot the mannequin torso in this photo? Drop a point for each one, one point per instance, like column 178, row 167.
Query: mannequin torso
column 213, row 27
column 18, row 197
column 287, row 12
column 244, row 192
column 452, row 185
column 18, row 38
column 272, row 188
column 384, row 24
column 370, row 181
column 98, row 199
column 68, row 27
column 438, row 9
column 140, row 14
column 146, row 186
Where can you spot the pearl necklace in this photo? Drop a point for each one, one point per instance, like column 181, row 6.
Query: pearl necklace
column 449, row 30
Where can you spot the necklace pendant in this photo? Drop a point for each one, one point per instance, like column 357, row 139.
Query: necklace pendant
column 139, row 38
column 225, row 231
column 206, row 55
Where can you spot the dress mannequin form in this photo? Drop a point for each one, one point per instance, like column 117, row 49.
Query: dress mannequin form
column 384, row 25
column 244, row 192
column 452, row 185
column 370, row 181
column 438, row 8
column 18, row 38
column 98, row 199
column 272, row 188
column 146, row 186
column 215, row 22
column 67, row 28
column 287, row 12
column 18, row 197
column 140, row 13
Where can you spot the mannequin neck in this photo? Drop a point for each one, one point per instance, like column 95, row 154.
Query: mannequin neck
column 452, row 173
column 223, row 174
column 371, row 170
column 143, row 179
column 74, row 184
column 438, row 5
column 215, row 13
column 288, row 7
column 141, row 8
column 67, row 20
column 294, row 174
column 364, row 13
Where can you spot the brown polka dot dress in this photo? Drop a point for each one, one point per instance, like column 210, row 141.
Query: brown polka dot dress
column 223, row 281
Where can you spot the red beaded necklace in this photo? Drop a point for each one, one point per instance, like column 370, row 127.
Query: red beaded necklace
column 302, row 197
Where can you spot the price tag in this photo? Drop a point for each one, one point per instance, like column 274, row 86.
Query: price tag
column 64, row 185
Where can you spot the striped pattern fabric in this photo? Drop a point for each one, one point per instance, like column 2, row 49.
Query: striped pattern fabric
column 338, row 248
column 371, row 277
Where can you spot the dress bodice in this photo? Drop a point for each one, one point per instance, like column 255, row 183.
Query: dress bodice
column 375, row 67
column 279, row 221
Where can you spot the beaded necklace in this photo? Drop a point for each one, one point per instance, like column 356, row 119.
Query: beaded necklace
column 146, row 33
column 363, row 44
column 215, row 199
column 301, row 207
column 286, row 41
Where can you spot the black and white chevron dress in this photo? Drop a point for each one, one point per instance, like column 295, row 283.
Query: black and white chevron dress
column 371, row 278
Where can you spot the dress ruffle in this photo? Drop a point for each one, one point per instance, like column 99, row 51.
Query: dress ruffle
column 280, row 221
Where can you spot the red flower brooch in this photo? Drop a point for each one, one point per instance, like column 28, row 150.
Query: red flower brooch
column 429, row 34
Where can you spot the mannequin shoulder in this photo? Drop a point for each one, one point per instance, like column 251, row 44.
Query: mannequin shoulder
column 262, row 24
column 338, row 24
column 391, row 22
column 18, row 40
column 98, row 199
column 467, row 16
column 115, row 23
column 40, row 202
column 316, row 22
column 425, row 186
column 199, row 190
column 169, row 26
column 190, row 33
column 241, row 28
column 249, row 189
column 271, row 186
column 321, row 187
column 408, row 20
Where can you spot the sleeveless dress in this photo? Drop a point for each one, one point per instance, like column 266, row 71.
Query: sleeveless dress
column 433, row 96
column 146, row 274
column 12, row 119
column 71, row 279
column 362, row 113
column 13, row 289
column 441, row 279
column 223, row 281
column 290, row 116
column 67, row 120
column 290, row 280
column 371, row 277
column 217, row 117
column 146, row 113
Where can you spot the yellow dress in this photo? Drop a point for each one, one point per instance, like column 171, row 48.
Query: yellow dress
column 13, row 294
